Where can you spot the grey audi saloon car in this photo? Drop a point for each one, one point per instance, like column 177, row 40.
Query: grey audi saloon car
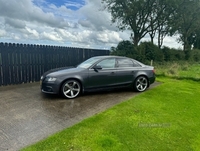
column 98, row 73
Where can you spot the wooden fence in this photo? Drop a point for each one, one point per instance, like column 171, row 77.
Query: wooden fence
column 21, row 63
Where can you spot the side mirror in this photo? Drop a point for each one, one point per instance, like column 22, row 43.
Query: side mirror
column 96, row 68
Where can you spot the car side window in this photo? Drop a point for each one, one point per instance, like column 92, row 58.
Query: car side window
column 125, row 62
column 107, row 63
column 135, row 64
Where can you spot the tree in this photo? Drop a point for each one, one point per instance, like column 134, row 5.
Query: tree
column 186, row 21
column 162, row 12
column 196, row 40
column 166, row 10
column 124, row 48
column 152, row 20
column 131, row 14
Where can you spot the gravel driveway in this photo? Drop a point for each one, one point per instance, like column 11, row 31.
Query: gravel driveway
column 27, row 115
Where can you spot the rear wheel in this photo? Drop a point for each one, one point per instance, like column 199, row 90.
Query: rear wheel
column 71, row 89
column 140, row 84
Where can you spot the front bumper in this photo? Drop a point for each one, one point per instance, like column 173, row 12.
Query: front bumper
column 50, row 87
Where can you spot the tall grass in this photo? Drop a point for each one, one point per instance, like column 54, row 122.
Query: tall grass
column 179, row 70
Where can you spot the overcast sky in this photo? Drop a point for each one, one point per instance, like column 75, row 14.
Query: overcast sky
column 73, row 23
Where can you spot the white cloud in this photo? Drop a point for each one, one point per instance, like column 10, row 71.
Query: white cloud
column 33, row 32
column 2, row 33
column 74, row 4
column 52, row 36
column 41, row 22
column 95, row 16
column 109, row 37
column 172, row 42
column 15, row 23
column 25, row 10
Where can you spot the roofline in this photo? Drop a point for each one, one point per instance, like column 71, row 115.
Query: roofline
column 111, row 56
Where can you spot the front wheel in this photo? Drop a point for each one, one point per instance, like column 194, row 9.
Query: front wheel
column 71, row 89
column 140, row 84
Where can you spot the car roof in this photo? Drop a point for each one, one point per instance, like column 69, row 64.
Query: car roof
column 109, row 57
column 104, row 57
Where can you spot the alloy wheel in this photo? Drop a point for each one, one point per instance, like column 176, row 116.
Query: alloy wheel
column 141, row 84
column 71, row 89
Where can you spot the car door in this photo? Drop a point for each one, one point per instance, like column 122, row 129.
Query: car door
column 126, row 70
column 104, row 76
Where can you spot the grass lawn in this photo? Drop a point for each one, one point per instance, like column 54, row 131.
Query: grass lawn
column 162, row 119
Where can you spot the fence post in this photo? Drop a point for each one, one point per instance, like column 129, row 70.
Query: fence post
column 151, row 62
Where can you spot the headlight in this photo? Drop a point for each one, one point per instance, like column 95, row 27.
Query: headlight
column 41, row 78
column 50, row 79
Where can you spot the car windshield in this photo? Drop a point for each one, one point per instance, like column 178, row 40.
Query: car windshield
column 88, row 63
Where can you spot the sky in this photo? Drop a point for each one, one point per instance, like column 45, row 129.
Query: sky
column 71, row 23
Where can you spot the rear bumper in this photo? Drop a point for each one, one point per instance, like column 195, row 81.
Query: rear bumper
column 152, row 79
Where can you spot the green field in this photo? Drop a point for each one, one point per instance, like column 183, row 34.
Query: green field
column 161, row 119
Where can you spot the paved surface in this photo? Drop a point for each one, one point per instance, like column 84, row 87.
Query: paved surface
column 27, row 115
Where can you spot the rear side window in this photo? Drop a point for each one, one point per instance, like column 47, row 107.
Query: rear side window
column 135, row 64
column 125, row 62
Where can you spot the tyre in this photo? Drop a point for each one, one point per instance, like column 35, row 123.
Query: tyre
column 140, row 84
column 71, row 89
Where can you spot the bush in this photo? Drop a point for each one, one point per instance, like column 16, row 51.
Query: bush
column 147, row 51
column 192, row 55
column 150, row 52
column 126, row 48
column 173, row 54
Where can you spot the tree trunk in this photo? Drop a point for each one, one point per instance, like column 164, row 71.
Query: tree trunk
column 159, row 42
column 136, row 39
column 186, row 45
column 152, row 37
